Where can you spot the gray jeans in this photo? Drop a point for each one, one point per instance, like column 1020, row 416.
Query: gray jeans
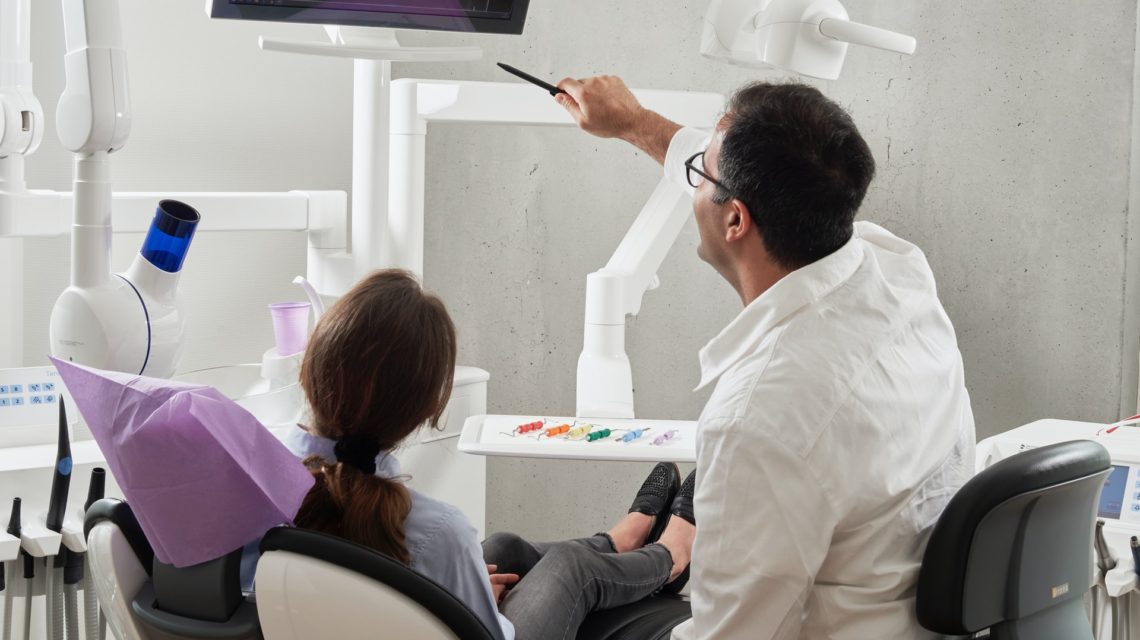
column 561, row 582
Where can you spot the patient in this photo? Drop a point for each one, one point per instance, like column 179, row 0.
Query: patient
column 380, row 365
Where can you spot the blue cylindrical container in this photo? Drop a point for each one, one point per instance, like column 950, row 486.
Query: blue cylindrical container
column 169, row 236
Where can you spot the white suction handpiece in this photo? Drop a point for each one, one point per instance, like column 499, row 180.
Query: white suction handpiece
column 809, row 37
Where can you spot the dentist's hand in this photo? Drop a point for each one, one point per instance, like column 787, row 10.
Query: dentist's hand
column 605, row 107
column 500, row 581
column 602, row 106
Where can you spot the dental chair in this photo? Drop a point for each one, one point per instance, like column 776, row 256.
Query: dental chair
column 146, row 599
column 1012, row 552
column 377, row 597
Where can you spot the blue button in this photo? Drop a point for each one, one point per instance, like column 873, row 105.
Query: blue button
column 1135, row 507
column 37, row 400
column 49, row 399
column 17, row 388
column 5, row 402
column 34, row 388
column 6, row 389
column 17, row 401
column 49, row 386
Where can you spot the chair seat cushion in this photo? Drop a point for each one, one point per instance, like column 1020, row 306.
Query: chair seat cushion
column 649, row 619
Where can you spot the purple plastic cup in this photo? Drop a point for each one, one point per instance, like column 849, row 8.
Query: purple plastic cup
column 290, row 326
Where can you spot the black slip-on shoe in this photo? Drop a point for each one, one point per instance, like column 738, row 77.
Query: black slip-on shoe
column 683, row 503
column 656, row 496
column 683, row 508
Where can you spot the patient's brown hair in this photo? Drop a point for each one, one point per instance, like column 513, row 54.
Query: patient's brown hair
column 379, row 365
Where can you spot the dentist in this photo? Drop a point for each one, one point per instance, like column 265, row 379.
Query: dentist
column 840, row 425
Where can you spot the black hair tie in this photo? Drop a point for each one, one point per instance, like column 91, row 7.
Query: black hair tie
column 357, row 452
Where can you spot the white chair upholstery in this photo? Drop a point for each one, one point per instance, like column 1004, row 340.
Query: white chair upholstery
column 144, row 599
column 314, row 585
column 299, row 598
column 117, row 575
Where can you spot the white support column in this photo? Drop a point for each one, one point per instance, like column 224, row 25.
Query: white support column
column 1130, row 329
column 404, row 246
column 370, row 109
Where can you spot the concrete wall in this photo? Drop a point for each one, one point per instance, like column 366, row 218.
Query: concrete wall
column 1003, row 148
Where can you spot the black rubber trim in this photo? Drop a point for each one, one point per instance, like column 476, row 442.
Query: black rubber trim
column 119, row 513
column 648, row 619
column 242, row 624
column 942, row 578
column 146, row 314
column 373, row 564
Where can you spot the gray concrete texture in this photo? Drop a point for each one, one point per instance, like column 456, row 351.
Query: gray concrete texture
column 1003, row 149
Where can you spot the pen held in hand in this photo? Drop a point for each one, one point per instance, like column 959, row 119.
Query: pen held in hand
column 553, row 90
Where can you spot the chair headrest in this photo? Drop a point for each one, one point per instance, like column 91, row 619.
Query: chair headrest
column 119, row 513
column 993, row 511
column 377, row 566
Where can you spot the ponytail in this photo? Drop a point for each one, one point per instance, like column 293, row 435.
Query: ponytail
column 365, row 508
column 378, row 366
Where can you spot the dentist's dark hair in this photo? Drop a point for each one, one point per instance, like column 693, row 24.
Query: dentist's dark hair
column 379, row 365
column 797, row 161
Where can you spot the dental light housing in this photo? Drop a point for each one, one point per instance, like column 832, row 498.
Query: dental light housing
column 808, row 37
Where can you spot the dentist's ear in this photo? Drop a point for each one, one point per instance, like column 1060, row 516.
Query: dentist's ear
column 738, row 221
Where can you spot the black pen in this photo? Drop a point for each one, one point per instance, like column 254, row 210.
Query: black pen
column 531, row 79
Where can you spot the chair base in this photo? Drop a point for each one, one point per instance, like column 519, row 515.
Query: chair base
column 649, row 619
column 1066, row 621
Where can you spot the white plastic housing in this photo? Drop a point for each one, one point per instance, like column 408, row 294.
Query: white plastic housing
column 9, row 547
column 21, row 116
column 94, row 110
column 103, row 327
column 804, row 36
column 133, row 323
column 159, row 293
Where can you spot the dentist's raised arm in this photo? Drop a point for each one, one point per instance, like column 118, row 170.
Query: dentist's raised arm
column 605, row 107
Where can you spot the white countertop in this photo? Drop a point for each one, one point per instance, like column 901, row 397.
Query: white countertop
column 495, row 435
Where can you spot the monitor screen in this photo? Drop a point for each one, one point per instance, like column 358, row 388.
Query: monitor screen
column 489, row 16
column 1112, row 496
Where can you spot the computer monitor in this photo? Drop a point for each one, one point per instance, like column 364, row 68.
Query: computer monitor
column 482, row 16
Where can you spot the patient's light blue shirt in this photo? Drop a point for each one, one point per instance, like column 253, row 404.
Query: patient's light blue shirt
column 442, row 542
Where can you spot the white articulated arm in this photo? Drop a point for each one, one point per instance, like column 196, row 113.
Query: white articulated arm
column 94, row 113
column 21, row 116
column 605, row 384
column 803, row 36
column 868, row 36
column 605, row 380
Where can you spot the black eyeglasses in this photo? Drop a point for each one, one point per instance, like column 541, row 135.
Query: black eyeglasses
column 700, row 176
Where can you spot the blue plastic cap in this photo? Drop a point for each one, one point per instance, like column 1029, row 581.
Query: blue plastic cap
column 170, row 234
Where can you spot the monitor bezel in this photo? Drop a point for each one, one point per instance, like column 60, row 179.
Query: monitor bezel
column 346, row 17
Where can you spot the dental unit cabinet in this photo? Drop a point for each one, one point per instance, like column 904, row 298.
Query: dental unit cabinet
column 1114, row 604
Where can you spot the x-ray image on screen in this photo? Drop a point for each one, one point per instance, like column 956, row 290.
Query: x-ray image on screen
column 498, row 9
column 493, row 16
